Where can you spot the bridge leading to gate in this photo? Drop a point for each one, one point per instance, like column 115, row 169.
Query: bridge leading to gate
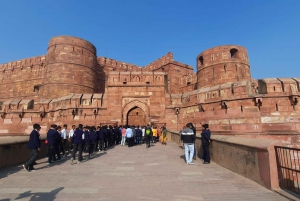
column 137, row 173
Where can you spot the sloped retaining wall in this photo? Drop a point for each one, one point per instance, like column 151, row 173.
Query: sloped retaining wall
column 252, row 158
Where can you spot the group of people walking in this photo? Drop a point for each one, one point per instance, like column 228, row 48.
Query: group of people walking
column 89, row 139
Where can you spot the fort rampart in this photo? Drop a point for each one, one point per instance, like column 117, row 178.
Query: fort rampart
column 72, row 85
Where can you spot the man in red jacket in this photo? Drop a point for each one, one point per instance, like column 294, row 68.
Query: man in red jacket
column 34, row 145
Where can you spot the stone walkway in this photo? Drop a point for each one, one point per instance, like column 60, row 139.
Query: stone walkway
column 136, row 173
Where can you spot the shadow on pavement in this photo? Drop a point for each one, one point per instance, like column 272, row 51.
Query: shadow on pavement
column 38, row 196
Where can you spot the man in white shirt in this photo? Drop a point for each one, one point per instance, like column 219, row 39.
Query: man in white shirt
column 143, row 134
column 63, row 135
column 71, row 133
column 129, row 136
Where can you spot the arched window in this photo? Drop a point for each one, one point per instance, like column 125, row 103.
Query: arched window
column 234, row 53
column 201, row 60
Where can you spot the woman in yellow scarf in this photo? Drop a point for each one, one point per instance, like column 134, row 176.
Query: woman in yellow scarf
column 164, row 136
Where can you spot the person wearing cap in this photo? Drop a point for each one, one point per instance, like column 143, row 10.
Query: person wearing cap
column 187, row 140
column 205, row 136
column 77, row 141
column 34, row 145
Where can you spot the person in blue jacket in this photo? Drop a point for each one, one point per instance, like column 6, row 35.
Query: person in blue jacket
column 34, row 145
column 52, row 137
column 77, row 141
column 139, row 134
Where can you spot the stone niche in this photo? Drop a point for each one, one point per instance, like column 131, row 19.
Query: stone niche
column 86, row 99
column 26, row 104
column 14, row 104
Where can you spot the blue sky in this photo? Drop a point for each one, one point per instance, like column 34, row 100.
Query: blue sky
column 140, row 31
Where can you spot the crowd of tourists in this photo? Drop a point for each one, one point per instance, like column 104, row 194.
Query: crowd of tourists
column 89, row 139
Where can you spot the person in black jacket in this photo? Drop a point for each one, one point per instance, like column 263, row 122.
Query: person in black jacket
column 109, row 135
column 205, row 135
column 91, row 140
column 188, row 139
column 58, row 142
column 101, row 136
column 96, row 148
column 105, row 138
column 34, row 144
column 52, row 137
column 78, row 139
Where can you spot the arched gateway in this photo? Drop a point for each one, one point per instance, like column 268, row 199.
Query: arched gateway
column 135, row 113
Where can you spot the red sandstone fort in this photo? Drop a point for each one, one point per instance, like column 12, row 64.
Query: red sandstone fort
column 72, row 85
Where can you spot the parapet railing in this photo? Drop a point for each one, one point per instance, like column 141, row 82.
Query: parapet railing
column 288, row 168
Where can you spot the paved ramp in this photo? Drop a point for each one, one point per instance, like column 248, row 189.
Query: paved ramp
column 136, row 173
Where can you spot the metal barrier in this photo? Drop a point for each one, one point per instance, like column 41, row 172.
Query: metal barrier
column 288, row 168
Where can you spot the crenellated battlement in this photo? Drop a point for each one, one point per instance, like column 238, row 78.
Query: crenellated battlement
column 113, row 64
column 29, row 62
column 159, row 62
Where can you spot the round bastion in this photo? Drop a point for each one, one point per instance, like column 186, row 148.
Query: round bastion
column 71, row 67
column 222, row 64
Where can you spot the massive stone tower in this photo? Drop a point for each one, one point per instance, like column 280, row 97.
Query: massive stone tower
column 218, row 65
column 71, row 67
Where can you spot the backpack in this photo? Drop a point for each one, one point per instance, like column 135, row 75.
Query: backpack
column 148, row 131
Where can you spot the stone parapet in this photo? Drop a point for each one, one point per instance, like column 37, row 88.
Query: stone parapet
column 252, row 158
column 13, row 150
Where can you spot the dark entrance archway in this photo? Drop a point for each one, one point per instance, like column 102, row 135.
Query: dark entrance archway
column 136, row 116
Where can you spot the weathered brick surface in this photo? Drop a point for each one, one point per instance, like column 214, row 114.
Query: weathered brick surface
column 72, row 85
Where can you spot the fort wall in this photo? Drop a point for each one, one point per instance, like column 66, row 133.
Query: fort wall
column 19, row 78
column 72, row 85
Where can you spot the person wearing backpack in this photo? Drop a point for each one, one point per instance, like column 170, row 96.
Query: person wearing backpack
column 148, row 135
column 154, row 134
